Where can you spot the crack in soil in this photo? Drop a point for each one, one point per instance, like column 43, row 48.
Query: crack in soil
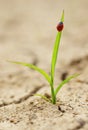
column 64, row 75
column 82, row 81
column 80, row 125
column 80, row 63
column 35, row 60
column 22, row 99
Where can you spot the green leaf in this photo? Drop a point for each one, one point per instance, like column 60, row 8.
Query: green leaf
column 53, row 63
column 62, row 18
column 55, row 53
column 55, row 50
column 35, row 68
column 64, row 82
column 54, row 59
column 42, row 96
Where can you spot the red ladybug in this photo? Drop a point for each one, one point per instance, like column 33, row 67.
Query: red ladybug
column 60, row 26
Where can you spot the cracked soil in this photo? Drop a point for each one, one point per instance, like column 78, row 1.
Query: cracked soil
column 27, row 33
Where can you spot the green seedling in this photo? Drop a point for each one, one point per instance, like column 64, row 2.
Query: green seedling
column 50, row 78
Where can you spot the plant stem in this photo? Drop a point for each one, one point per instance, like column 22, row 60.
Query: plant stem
column 52, row 92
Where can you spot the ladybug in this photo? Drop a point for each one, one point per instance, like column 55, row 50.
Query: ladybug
column 60, row 26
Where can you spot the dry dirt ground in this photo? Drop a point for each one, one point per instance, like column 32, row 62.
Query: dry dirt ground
column 27, row 33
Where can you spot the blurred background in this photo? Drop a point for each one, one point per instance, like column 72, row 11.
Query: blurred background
column 28, row 31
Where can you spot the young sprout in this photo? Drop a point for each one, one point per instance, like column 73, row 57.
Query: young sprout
column 50, row 78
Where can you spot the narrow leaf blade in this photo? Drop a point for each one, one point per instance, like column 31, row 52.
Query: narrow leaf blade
column 62, row 18
column 65, row 81
column 55, row 50
column 55, row 53
column 35, row 68
column 43, row 97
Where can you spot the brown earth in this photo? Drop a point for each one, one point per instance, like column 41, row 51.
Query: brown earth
column 27, row 33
